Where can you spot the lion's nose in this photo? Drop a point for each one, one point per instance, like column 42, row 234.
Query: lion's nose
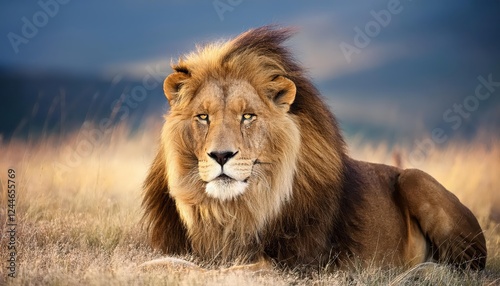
column 222, row 157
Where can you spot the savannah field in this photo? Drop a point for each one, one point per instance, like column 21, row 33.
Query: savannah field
column 78, row 213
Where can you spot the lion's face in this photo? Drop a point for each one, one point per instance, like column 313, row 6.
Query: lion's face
column 236, row 133
column 229, row 130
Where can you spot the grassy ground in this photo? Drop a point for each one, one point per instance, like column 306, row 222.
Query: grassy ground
column 78, row 210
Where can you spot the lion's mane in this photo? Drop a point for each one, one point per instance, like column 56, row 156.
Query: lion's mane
column 320, row 209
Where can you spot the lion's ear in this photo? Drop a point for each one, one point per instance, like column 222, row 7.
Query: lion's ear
column 285, row 91
column 172, row 85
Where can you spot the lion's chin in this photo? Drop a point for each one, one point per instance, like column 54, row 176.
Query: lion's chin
column 225, row 189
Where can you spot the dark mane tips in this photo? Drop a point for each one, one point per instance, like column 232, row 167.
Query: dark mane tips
column 266, row 40
column 263, row 37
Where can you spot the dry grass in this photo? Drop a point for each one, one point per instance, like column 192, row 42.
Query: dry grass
column 80, row 224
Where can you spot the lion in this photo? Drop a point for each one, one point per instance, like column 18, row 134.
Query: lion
column 252, row 168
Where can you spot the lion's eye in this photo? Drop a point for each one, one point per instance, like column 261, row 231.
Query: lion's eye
column 248, row 117
column 202, row 117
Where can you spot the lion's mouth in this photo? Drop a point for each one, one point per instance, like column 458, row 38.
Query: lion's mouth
column 223, row 178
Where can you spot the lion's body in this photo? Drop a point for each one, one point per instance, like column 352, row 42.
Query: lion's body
column 252, row 166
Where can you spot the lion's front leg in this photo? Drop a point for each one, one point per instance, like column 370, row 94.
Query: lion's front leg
column 450, row 226
column 263, row 265
column 169, row 263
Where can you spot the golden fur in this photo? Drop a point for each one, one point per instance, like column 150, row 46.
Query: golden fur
column 252, row 166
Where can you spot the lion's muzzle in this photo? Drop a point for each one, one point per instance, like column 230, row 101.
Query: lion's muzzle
column 225, row 173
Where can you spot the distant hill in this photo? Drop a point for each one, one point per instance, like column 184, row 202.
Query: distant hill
column 37, row 103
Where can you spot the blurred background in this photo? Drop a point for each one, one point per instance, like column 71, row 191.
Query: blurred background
column 398, row 71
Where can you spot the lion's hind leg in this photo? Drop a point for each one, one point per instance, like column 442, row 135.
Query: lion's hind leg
column 452, row 229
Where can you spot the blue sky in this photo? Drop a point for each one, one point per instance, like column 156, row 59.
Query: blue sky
column 411, row 70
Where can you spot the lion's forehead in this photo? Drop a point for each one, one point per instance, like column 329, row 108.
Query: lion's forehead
column 230, row 95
